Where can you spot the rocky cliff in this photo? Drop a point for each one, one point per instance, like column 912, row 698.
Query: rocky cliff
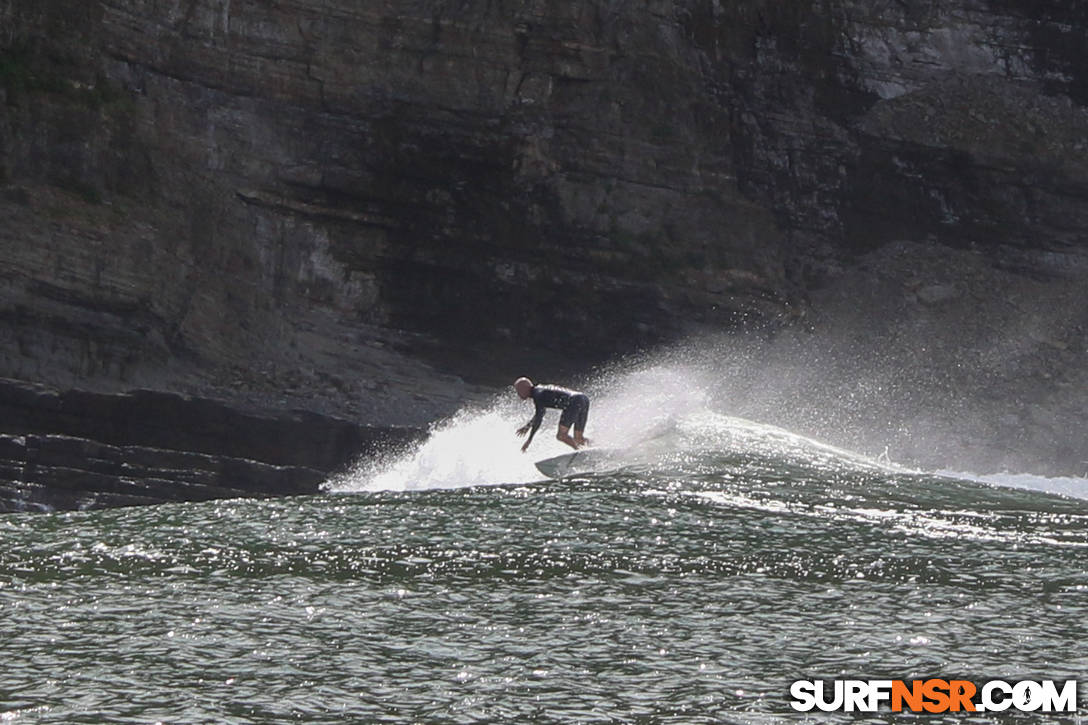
column 378, row 211
column 75, row 449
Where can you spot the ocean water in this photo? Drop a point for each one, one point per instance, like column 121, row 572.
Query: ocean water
column 448, row 583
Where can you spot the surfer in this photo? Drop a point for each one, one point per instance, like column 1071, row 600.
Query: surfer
column 575, row 407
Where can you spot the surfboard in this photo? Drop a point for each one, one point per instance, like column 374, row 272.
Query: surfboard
column 586, row 460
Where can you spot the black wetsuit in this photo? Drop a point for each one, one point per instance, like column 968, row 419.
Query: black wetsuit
column 575, row 407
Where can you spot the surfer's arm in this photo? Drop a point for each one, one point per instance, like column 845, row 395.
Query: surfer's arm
column 532, row 426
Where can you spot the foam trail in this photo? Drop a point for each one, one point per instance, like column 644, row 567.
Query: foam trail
column 1063, row 485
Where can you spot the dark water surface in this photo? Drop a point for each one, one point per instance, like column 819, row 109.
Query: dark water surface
column 692, row 590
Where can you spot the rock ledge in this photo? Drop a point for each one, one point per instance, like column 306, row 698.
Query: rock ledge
column 76, row 449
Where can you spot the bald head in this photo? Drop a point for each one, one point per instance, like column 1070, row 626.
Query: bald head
column 524, row 386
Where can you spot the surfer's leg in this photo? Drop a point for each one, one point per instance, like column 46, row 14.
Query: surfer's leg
column 581, row 405
column 564, row 435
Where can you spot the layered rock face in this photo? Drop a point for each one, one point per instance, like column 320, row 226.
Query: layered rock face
column 356, row 207
column 75, row 449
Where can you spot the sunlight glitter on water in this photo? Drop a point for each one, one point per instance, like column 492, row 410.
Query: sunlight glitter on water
column 722, row 561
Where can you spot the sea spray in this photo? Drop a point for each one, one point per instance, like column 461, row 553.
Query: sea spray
column 474, row 447
column 478, row 446
column 672, row 415
column 634, row 405
column 657, row 414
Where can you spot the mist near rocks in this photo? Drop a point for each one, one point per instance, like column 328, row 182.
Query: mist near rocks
column 973, row 369
column 652, row 414
column 783, row 397
column 933, row 357
column 940, row 362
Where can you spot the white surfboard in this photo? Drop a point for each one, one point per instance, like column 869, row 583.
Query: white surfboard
column 587, row 460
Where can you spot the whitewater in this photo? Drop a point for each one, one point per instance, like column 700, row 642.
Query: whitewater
column 657, row 415
column 693, row 581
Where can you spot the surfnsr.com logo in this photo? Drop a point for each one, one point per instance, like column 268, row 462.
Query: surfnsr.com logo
column 934, row 695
